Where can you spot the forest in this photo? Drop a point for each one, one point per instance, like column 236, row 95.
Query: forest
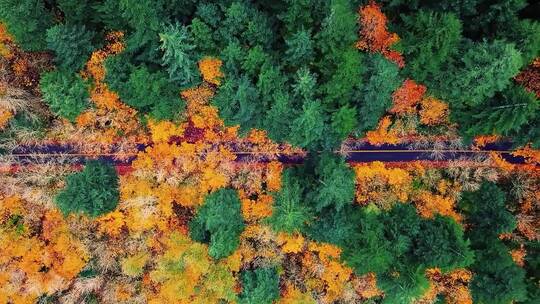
column 194, row 151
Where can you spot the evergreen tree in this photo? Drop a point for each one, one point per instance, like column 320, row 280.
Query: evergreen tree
column 481, row 70
column 497, row 278
column 65, row 93
column 238, row 103
column 402, row 229
column 504, row 114
column 178, row 55
column 309, row 127
column 339, row 32
column 336, row 183
column 270, row 82
column 209, row 13
column 254, row 60
column 290, row 213
column 146, row 91
column 487, row 212
column 72, row 45
column 81, row 12
column 442, row 245
column 367, row 250
column 93, row 191
column 219, row 221
column 27, row 21
column 403, row 284
column 300, row 49
column 382, row 80
column 526, row 35
column 109, row 14
column 278, row 119
column 259, row 286
column 345, row 82
column 529, row 133
column 335, row 227
column 203, row 40
column 344, row 121
column 145, row 19
column 428, row 40
column 298, row 15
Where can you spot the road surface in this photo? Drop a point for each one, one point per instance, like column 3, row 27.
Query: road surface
column 361, row 152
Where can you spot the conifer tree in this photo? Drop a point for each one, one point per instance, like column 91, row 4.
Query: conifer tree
column 219, row 222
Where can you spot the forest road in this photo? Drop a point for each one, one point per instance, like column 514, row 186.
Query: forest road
column 356, row 153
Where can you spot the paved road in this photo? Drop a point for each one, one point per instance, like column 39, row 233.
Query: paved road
column 360, row 152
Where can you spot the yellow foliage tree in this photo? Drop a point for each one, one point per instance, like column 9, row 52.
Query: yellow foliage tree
column 382, row 135
column 185, row 273
column 35, row 260
column 291, row 243
column 293, row 295
column 211, row 70
column 429, row 204
column 433, row 111
column 380, row 185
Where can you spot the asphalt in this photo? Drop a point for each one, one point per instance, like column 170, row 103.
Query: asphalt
column 360, row 152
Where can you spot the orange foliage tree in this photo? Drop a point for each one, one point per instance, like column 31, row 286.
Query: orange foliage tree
column 406, row 97
column 530, row 77
column 453, row 285
column 380, row 185
column 433, row 111
column 211, row 70
column 185, row 273
column 374, row 35
column 110, row 121
column 429, row 204
column 383, row 134
column 5, row 116
column 35, row 258
column 500, row 162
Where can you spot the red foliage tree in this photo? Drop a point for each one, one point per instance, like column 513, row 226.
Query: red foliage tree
column 530, row 77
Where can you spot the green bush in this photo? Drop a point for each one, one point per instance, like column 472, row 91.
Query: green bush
column 93, row 191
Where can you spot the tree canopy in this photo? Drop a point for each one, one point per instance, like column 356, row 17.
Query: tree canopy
column 93, row 191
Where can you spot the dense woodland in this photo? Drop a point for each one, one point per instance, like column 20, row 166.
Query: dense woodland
column 194, row 82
